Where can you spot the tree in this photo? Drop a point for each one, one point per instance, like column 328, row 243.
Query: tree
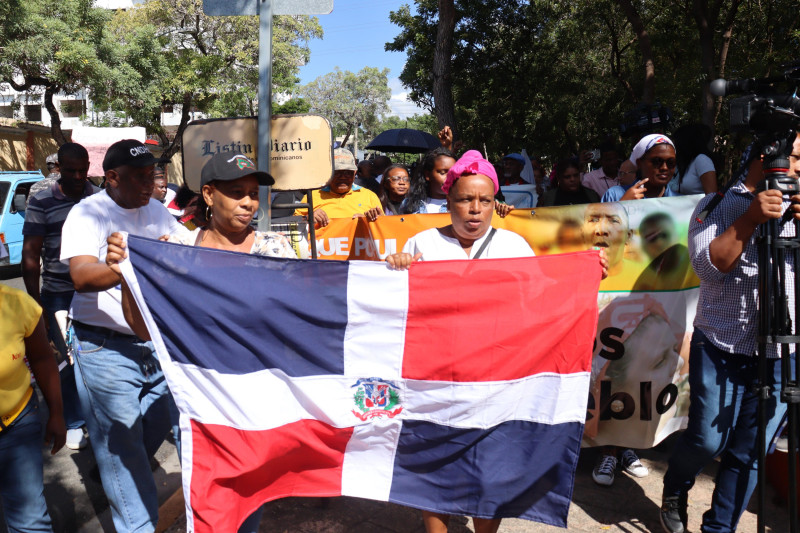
column 349, row 99
column 292, row 106
column 203, row 63
column 425, row 122
column 554, row 77
column 442, row 56
column 645, row 48
column 55, row 47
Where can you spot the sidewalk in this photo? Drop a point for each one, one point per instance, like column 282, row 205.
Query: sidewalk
column 630, row 505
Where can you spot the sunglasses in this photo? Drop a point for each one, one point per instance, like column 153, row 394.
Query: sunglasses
column 395, row 179
column 658, row 161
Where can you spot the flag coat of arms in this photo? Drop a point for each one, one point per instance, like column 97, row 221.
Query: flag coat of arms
column 457, row 387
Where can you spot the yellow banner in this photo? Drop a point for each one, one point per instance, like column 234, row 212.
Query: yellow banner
column 639, row 392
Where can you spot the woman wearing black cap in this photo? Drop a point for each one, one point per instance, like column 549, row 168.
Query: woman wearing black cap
column 229, row 200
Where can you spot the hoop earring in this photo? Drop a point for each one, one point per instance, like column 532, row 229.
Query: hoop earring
column 208, row 213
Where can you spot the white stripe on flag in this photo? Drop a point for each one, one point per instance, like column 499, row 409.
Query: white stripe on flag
column 369, row 460
column 377, row 306
column 260, row 400
column 547, row 398
column 187, row 453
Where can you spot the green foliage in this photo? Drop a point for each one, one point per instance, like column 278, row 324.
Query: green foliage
column 179, row 56
column 293, row 106
column 54, row 47
column 350, row 99
column 426, row 123
column 557, row 77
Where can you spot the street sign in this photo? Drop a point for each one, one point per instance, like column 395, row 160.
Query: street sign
column 279, row 7
column 300, row 148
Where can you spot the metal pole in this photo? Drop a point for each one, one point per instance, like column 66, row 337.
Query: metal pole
column 264, row 105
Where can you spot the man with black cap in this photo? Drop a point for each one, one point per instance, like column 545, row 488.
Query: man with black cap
column 124, row 397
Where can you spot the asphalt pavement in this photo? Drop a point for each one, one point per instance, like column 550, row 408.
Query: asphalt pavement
column 77, row 503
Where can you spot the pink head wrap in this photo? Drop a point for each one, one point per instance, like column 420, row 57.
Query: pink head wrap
column 472, row 162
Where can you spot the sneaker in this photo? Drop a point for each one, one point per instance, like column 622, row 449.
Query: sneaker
column 673, row 514
column 76, row 439
column 632, row 465
column 603, row 473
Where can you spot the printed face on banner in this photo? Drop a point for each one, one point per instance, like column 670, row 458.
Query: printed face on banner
column 606, row 226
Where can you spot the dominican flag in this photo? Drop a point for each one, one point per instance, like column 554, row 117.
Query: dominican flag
column 458, row 386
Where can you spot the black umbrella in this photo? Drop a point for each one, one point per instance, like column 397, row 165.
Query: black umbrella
column 404, row 140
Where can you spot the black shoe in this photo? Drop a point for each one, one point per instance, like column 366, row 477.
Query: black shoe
column 674, row 515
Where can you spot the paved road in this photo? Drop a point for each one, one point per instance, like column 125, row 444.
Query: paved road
column 77, row 503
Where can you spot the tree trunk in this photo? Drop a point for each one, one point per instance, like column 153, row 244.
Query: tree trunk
column 55, row 118
column 705, row 26
column 645, row 48
column 706, row 19
column 347, row 137
column 442, row 59
column 616, row 59
column 727, row 32
column 173, row 148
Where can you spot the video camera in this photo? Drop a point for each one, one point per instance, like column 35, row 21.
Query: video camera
column 645, row 119
column 763, row 109
column 772, row 117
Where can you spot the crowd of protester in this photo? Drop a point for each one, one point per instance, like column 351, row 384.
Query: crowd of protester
column 113, row 394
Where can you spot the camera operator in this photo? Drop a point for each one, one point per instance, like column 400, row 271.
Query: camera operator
column 723, row 365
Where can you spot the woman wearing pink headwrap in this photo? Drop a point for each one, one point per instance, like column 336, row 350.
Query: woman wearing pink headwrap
column 470, row 187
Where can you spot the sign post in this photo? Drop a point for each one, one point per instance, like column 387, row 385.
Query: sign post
column 264, row 106
column 265, row 9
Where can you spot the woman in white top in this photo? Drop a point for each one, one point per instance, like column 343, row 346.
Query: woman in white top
column 393, row 189
column 470, row 187
column 695, row 173
column 425, row 194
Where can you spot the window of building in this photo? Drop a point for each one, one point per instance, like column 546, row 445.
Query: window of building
column 33, row 112
column 72, row 108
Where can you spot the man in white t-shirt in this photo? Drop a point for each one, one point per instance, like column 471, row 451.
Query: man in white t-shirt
column 123, row 394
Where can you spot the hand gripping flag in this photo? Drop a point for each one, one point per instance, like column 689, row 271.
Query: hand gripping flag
column 458, row 386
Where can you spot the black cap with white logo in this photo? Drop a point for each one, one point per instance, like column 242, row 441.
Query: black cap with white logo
column 130, row 153
column 229, row 166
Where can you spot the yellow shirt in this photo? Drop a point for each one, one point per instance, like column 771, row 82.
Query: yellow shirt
column 19, row 315
column 357, row 201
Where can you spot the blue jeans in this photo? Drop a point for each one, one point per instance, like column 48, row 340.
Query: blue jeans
column 21, row 475
column 52, row 302
column 128, row 410
column 723, row 421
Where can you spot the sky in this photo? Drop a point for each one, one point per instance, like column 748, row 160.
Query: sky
column 354, row 36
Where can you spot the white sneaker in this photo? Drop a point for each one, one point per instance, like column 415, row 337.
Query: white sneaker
column 632, row 465
column 603, row 473
column 76, row 440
